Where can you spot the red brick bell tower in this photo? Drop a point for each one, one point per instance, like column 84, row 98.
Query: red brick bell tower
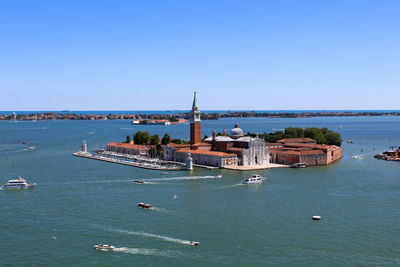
column 195, row 123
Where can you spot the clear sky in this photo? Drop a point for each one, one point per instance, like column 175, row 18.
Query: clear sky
column 147, row 55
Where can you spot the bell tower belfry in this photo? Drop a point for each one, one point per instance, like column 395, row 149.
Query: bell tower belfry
column 195, row 123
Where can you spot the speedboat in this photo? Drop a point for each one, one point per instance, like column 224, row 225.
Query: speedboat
column 138, row 182
column 20, row 183
column 218, row 176
column 254, row 179
column 104, row 247
column 194, row 243
column 31, row 148
column 144, row 205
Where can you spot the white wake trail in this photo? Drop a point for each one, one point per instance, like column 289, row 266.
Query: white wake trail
column 183, row 178
column 147, row 252
column 149, row 235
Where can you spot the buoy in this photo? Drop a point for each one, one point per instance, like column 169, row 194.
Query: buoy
column 316, row 218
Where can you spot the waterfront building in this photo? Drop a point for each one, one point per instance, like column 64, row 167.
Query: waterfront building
column 222, row 151
column 303, row 150
column 128, row 148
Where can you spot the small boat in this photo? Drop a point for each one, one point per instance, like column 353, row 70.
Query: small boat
column 104, row 247
column 138, row 182
column 218, row 176
column 164, row 172
column 316, row 218
column 299, row 165
column 254, row 179
column 20, row 183
column 31, row 148
column 350, row 141
column 194, row 243
column 144, row 205
column 358, row 157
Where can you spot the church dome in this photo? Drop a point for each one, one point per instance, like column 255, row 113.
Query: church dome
column 236, row 132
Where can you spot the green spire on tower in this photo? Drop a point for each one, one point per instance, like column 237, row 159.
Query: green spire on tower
column 195, row 105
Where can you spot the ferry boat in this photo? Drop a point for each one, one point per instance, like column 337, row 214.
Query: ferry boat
column 20, row 183
column 254, row 179
column 104, row 247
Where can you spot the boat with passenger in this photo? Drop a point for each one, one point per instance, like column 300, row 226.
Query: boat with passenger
column 194, row 243
column 254, row 179
column 144, row 205
column 104, row 247
column 19, row 183
column 138, row 182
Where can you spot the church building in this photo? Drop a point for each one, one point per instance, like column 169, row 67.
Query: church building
column 219, row 151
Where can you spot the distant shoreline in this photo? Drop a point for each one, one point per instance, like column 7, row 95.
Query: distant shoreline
column 168, row 115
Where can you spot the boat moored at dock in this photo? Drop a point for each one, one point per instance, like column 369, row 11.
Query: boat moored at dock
column 19, row 183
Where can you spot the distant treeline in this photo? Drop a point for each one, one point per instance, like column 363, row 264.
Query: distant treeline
column 322, row 135
column 186, row 115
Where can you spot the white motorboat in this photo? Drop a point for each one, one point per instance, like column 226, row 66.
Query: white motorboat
column 194, row 243
column 254, row 179
column 218, row 176
column 17, row 184
column 104, row 247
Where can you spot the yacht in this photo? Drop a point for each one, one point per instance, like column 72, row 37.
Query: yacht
column 17, row 184
column 104, row 247
column 254, row 179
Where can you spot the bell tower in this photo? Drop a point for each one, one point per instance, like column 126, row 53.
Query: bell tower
column 195, row 123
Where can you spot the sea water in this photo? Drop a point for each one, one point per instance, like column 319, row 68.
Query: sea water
column 79, row 202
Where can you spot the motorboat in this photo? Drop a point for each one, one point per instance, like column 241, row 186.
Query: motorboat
column 218, row 176
column 254, row 179
column 19, row 183
column 316, row 218
column 104, row 247
column 358, row 157
column 194, row 243
column 31, row 148
column 138, row 182
column 144, row 205
column 350, row 141
column 299, row 165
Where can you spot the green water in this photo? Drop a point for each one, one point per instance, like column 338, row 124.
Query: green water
column 80, row 202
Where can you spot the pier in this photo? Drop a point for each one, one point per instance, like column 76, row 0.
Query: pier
column 143, row 163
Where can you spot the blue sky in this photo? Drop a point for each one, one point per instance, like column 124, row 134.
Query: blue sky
column 147, row 55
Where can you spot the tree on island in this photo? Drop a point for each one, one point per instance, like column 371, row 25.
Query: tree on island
column 322, row 136
column 166, row 139
column 141, row 138
column 128, row 139
column 154, row 140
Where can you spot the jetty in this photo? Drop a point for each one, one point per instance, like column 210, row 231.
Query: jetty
column 144, row 163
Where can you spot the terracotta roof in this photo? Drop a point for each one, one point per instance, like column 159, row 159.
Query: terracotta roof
column 131, row 146
column 296, row 140
column 178, row 145
column 205, row 152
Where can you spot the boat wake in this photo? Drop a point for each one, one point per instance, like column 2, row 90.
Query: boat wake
column 147, row 252
column 93, row 182
column 183, row 178
column 148, row 235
